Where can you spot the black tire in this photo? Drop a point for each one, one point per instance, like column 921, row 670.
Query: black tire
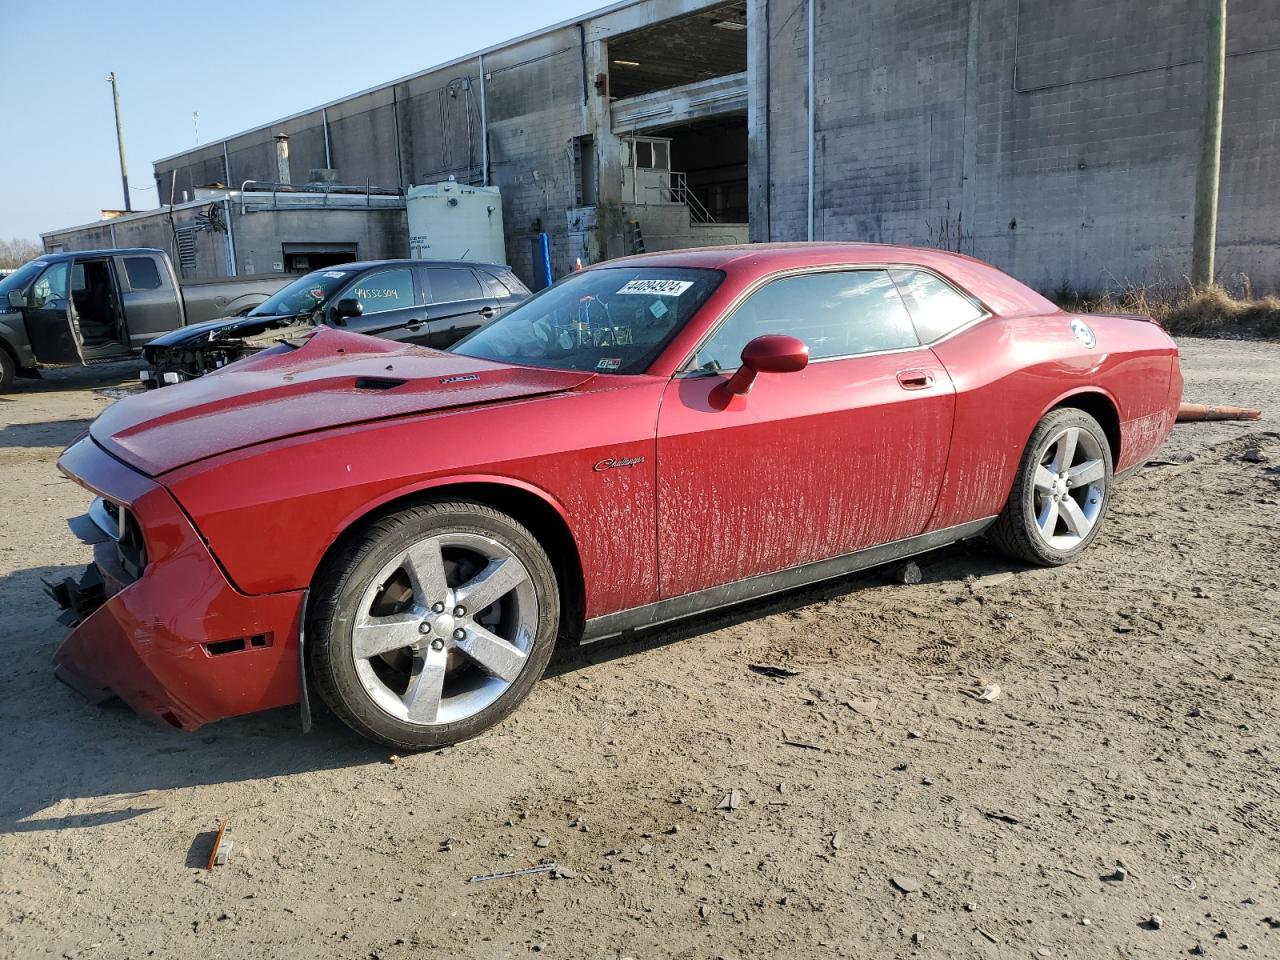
column 342, row 582
column 8, row 370
column 1016, row 532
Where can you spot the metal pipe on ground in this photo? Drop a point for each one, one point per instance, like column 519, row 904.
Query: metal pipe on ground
column 1196, row 412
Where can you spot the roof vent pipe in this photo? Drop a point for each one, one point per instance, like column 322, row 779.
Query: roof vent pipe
column 282, row 158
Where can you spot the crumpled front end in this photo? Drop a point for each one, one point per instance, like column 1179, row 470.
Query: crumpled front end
column 156, row 622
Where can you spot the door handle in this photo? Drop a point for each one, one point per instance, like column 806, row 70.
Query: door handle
column 915, row 379
column 488, row 312
column 414, row 324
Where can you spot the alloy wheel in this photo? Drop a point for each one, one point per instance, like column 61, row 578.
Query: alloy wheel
column 1070, row 486
column 444, row 628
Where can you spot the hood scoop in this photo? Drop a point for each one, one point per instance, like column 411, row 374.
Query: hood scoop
column 335, row 379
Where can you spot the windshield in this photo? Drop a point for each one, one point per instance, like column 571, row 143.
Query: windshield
column 612, row 320
column 303, row 295
column 19, row 279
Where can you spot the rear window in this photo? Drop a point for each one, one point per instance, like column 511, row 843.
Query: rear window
column 936, row 307
column 142, row 273
column 453, row 283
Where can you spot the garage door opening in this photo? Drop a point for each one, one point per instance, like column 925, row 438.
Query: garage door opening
column 712, row 156
column 305, row 257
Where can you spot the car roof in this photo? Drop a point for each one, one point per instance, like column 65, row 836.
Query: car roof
column 105, row 252
column 366, row 264
column 770, row 257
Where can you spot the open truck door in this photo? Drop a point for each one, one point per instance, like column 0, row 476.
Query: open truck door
column 74, row 314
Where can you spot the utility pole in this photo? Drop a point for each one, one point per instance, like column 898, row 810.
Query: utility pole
column 1215, row 74
column 124, row 170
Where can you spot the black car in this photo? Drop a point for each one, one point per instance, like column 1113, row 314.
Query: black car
column 429, row 302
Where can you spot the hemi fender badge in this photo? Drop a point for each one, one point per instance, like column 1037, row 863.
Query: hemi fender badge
column 460, row 378
column 613, row 463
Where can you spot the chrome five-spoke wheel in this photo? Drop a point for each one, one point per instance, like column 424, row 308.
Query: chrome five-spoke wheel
column 432, row 624
column 444, row 628
column 1059, row 496
column 1069, row 488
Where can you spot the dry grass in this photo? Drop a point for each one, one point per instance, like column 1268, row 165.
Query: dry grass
column 1213, row 311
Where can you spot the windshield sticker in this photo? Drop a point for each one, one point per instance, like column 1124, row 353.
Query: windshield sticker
column 335, row 274
column 609, row 363
column 659, row 288
column 658, row 309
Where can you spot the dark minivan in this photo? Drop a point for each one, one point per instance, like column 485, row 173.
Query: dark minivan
column 428, row 302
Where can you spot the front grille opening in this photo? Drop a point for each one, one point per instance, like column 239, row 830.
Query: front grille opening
column 218, row 648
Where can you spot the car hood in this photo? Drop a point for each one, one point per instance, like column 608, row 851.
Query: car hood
column 335, row 378
column 199, row 334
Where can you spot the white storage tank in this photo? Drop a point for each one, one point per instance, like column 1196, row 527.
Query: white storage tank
column 455, row 221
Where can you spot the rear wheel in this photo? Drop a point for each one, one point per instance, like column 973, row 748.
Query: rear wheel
column 433, row 624
column 1061, row 493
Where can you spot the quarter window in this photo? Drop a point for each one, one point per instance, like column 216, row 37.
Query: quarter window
column 837, row 314
column 384, row 290
column 453, row 283
column 142, row 273
column 936, row 307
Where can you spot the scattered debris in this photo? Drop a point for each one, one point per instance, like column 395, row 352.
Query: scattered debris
column 393, row 759
column 527, row 871
column 1154, row 922
column 1254, row 455
column 1001, row 816
column 220, row 851
column 909, row 573
column 802, row 745
column 1118, row 875
column 989, row 936
column 542, row 842
column 837, row 840
column 970, row 907
column 771, row 671
column 1193, row 412
column 906, row 884
column 563, row 873
column 864, row 708
column 731, row 801
column 1184, row 883
column 990, row 580
column 915, row 734
column 986, row 693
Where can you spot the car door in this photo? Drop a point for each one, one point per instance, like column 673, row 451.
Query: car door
column 458, row 304
column 392, row 303
column 149, row 297
column 845, row 454
column 47, row 316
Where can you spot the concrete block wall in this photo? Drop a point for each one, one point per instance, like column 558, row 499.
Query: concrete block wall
column 1058, row 141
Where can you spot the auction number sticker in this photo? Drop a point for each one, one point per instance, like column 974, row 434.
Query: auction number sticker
column 659, row 288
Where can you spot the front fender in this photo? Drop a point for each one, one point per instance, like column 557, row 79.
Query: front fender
column 13, row 336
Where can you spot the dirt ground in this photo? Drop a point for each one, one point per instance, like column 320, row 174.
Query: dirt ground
column 882, row 812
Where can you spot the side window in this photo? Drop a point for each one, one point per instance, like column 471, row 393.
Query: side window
column 936, row 307
column 494, row 285
column 383, row 290
column 836, row 314
column 142, row 273
column 453, row 283
column 52, row 285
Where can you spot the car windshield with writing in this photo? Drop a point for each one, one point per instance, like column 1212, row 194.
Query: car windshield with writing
column 611, row 320
column 303, row 295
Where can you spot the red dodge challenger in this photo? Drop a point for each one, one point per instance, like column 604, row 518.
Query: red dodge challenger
column 406, row 533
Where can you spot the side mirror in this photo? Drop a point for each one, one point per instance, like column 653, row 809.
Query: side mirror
column 17, row 299
column 346, row 308
column 771, row 353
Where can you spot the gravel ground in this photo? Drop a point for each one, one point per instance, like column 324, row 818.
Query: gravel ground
column 882, row 811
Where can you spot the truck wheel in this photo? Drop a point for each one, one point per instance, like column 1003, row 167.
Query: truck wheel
column 8, row 369
column 432, row 624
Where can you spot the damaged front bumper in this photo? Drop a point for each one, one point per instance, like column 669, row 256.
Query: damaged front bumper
column 155, row 620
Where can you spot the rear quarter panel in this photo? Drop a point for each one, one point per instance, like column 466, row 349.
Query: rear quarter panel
column 271, row 511
column 1010, row 371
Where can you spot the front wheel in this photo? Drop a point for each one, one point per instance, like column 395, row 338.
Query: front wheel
column 1061, row 493
column 432, row 624
column 8, row 369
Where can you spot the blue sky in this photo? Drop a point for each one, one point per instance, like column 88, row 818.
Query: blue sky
column 237, row 63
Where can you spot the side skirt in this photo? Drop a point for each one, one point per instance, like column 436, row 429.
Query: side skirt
column 767, row 584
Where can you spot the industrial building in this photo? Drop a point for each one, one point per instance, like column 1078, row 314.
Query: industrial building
column 1058, row 141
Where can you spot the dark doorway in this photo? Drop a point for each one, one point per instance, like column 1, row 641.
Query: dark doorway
column 305, row 257
column 712, row 155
